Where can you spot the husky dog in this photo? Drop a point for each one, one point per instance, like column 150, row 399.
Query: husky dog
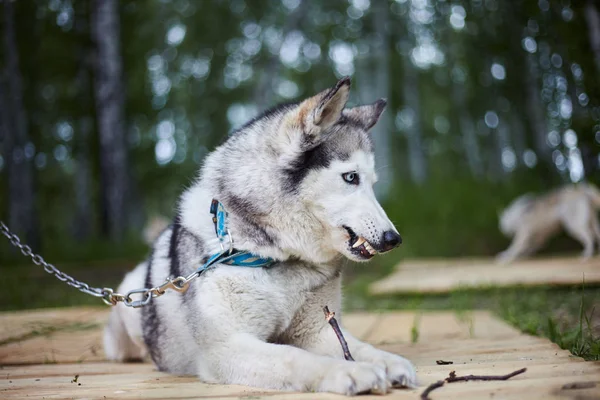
column 297, row 184
column 532, row 220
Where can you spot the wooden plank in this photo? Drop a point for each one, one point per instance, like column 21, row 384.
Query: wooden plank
column 476, row 342
column 82, row 341
column 360, row 324
column 52, row 336
column 397, row 327
column 442, row 276
column 15, row 325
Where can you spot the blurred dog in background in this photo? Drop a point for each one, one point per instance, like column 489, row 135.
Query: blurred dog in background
column 531, row 220
column 154, row 227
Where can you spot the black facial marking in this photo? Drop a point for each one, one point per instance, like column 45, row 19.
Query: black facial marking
column 318, row 157
column 337, row 143
column 314, row 158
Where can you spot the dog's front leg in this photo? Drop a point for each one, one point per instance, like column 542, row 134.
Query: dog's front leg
column 399, row 370
column 245, row 360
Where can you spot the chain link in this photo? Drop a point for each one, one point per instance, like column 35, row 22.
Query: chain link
column 49, row 268
column 179, row 284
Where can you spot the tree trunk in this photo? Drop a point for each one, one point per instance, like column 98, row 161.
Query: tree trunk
column 19, row 151
column 502, row 135
column 373, row 82
column 263, row 94
column 592, row 16
column 6, row 142
column 82, row 223
column 467, row 129
column 517, row 133
column 410, row 89
column 535, row 110
column 109, row 96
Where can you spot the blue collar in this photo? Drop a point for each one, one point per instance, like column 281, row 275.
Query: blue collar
column 228, row 254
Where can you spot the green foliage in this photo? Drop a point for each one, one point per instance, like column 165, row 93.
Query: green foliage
column 238, row 46
column 454, row 216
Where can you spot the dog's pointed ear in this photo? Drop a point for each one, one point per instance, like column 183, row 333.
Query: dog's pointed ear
column 366, row 115
column 325, row 109
column 329, row 109
column 305, row 126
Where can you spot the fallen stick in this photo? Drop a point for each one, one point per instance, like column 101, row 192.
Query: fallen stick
column 453, row 378
column 330, row 317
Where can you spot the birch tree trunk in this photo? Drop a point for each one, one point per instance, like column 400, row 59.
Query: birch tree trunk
column 410, row 89
column 373, row 81
column 467, row 129
column 109, row 96
column 20, row 151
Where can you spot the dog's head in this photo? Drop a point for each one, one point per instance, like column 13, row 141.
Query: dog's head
column 327, row 163
column 511, row 217
column 298, row 181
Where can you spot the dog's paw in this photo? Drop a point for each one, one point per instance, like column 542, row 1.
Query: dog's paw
column 351, row 378
column 399, row 371
column 503, row 258
column 586, row 256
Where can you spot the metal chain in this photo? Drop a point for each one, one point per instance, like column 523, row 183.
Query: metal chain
column 179, row 284
column 49, row 268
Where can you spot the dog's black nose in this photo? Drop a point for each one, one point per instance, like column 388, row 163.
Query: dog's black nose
column 391, row 239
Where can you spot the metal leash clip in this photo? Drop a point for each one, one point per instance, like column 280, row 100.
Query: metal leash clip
column 179, row 284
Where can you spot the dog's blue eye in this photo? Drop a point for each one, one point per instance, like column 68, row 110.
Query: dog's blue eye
column 351, row 178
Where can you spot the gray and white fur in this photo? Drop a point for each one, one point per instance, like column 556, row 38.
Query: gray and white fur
column 297, row 184
column 532, row 220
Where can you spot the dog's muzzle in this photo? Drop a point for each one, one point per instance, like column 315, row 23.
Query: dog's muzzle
column 391, row 240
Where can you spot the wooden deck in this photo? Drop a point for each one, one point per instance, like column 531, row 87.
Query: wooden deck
column 443, row 276
column 41, row 353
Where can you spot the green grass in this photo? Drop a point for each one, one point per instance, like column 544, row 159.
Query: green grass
column 414, row 330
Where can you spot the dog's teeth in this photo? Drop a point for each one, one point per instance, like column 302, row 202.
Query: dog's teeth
column 370, row 248
column 360, row 241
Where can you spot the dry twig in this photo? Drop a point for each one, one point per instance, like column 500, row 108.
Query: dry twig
column 442, row 362
column 330, row 317
column 453, row 378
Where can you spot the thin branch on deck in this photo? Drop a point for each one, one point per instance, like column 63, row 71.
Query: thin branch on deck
column 453, row 378
column 330, row 317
